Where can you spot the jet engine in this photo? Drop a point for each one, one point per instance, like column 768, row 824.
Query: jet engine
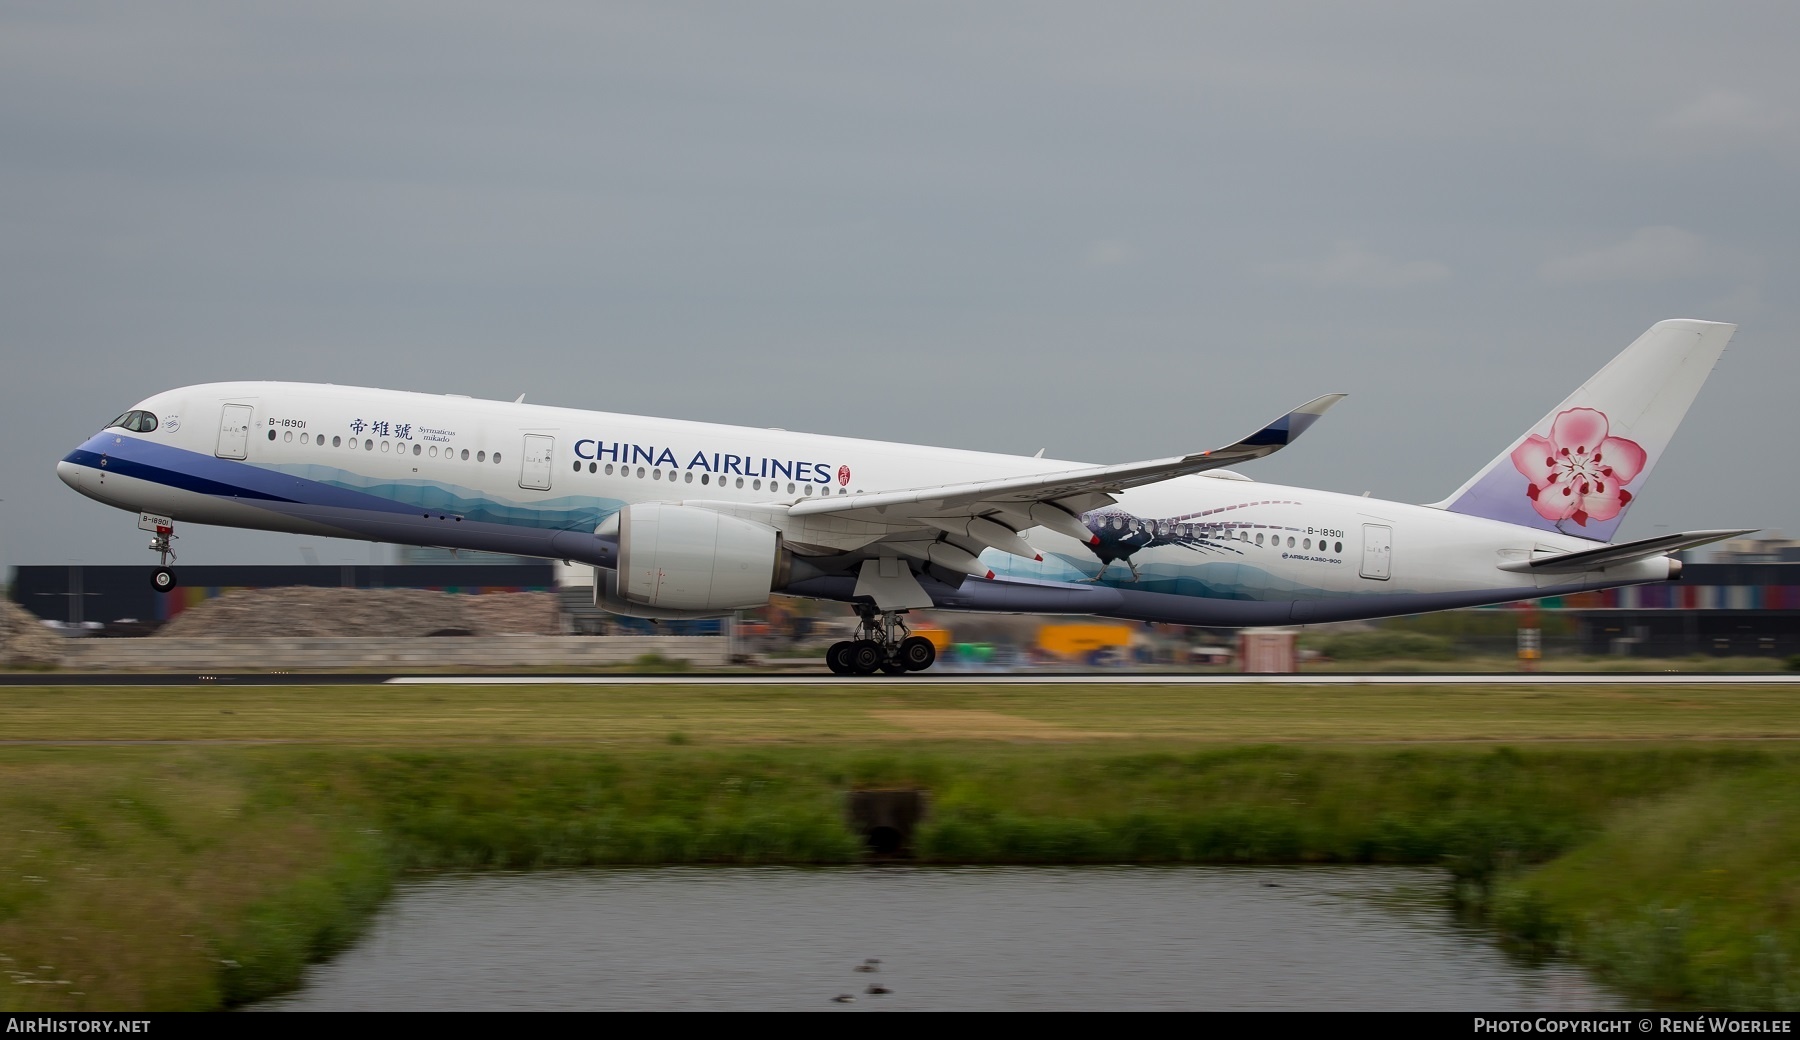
column 685, row 561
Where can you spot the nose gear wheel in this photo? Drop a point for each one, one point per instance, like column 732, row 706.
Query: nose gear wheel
column 163, row 578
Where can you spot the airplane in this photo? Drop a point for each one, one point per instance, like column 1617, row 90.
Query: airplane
column 686, row 519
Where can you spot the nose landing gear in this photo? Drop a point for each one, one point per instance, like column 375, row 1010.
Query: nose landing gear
column 163, row 578
column 883, row 644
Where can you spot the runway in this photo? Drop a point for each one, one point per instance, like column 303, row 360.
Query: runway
column 972, row 678
column 1125, row 679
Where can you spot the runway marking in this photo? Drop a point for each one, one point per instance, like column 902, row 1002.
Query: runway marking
column 1134, row 679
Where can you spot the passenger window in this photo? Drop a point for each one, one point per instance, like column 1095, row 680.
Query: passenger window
column 496, row 458
column 578, row 467
column 481, row 456
column 756, row 485
column 369, row 444
column 417, row 448
column 336, row 441
column 790, row 487
column 384, row 447
column 609, row 469
column 303, row 438
column 688, row 477
column 1337, row 547
column 640, row 473
column 271, row 434
column 433, row 451
column 656, row 474
column 593, row 467
column 288, row 437
column 740, row 482
column 809, row 489
column 705, row 478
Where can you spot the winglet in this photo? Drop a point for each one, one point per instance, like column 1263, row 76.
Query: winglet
column 1281, row 432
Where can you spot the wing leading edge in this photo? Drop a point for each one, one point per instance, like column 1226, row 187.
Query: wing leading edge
column 989, row 513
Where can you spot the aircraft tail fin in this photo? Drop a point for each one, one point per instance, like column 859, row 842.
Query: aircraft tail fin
column 1579, row 468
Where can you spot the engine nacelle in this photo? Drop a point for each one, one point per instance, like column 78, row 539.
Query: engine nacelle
column 607, row 598
column 685, row 561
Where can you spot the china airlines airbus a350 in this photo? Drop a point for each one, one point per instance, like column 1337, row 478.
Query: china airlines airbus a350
column 687, row 519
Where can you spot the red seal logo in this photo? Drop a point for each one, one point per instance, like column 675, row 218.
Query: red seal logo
column 844, row 475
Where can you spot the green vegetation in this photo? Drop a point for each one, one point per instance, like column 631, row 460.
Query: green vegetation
column 197, row 875
column 659, row 663
column 170, row 879
column 1481, row 624
column 884, row 711
column 1692, row 897
column 1383, row 644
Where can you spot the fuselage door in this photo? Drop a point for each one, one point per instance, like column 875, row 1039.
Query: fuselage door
column 1378, row 551
column 535, row 474
column 234, row 432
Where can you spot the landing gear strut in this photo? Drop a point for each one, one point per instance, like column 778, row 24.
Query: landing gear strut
column 163, row 578
column 883, row 644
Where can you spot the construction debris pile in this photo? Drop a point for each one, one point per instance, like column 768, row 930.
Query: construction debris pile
column 396, row 613
column 24, row 640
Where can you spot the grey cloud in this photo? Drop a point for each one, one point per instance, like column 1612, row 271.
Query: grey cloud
column 1101, row 229
column 1651, row 254
column 1349, row 264
column 1730, row 121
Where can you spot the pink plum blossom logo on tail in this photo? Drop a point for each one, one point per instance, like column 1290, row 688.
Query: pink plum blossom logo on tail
column 1579, row 472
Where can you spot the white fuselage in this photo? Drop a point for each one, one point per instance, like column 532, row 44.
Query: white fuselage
column 452, row 471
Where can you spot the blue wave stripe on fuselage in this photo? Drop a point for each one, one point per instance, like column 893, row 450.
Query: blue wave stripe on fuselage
column 115, row 461
column 231, row 478
column 223, row 478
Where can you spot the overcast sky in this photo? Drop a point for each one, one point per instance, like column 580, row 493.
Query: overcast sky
column 1114, row 231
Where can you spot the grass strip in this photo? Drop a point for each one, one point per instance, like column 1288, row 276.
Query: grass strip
column 206, row 877
column 1691, row 897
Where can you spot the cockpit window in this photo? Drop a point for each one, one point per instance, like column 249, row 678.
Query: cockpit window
column 137, row 421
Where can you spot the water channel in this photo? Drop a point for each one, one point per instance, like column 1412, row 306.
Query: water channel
column 1003, row 938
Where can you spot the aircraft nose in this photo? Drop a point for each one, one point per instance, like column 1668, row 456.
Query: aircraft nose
column 69, row 473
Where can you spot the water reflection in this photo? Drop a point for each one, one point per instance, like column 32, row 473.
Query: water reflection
column 1200, row 938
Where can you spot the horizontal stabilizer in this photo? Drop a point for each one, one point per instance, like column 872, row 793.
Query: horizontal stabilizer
column 1624, row 552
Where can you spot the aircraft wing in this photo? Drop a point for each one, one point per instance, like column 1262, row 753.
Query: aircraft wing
column 1623, row 552
column 990, row 512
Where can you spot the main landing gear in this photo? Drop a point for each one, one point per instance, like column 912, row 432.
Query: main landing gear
column 883, row 644
column 163, row 578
